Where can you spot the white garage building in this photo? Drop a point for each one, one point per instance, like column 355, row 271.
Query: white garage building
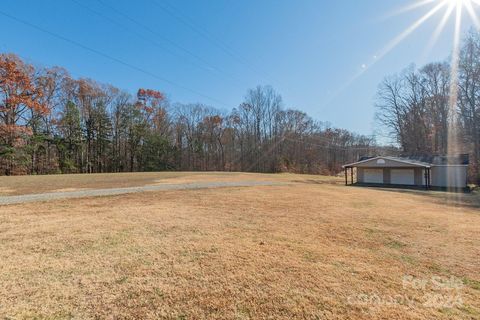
column 424, row 171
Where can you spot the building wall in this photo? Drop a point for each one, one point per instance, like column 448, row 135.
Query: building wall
column 405, row 176
column 419, row 175
column 443, row 176
column 386, row 175
column 360, row 175
column 449, row 176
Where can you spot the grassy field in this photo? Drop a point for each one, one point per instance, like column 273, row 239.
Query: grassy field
column 18, row 185
column 312, row 249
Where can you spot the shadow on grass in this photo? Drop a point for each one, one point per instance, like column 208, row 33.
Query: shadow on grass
column 457, row 199
column 319, row 182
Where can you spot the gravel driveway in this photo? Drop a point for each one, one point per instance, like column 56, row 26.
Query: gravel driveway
column 4, row 200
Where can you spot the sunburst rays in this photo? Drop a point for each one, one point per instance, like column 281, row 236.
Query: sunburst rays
column 447, row 9
column 402, row 36
column 449, row 5
column 452, row 136
column 459, row 7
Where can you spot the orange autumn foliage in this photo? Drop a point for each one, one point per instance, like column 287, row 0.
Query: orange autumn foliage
column 149, row 101
column 143, row 94
column 18, row 95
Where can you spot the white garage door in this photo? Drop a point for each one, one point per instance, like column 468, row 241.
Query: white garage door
column 373, row 175
column 402, row 176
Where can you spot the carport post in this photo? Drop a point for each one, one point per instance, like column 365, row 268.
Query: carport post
column 428, row 181
column 346, row 176
column 427, row 178
column 351, row 174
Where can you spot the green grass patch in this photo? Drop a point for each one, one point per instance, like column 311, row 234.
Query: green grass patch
column 470, row 311
column 474, row 284
column 395, row 244
column 408, row 259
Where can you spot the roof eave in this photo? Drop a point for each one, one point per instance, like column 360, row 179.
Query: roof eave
column 423, row 165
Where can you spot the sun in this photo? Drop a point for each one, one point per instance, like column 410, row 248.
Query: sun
column 458, row 10
column 446, row 8
column 443, row 10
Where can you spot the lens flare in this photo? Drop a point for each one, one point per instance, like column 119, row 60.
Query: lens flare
column 444, row 7
column 457, row 3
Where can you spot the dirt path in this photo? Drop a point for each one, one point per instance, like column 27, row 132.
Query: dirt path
column 5, row 200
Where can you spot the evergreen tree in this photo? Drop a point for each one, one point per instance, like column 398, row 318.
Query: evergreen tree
column 69, row 142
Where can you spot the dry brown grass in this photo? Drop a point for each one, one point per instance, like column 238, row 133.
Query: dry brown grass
column 305, row 250
column 17, row 185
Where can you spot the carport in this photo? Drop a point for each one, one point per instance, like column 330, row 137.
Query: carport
column 388, row 171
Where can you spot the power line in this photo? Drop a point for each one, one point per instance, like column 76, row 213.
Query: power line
column 205, row 34
column 123, row 27
column 328, row 140
column 111, row 58
column 331, row 146
column 172, row 43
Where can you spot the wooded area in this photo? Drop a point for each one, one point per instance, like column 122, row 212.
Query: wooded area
column 415, row 106
column 52, row 123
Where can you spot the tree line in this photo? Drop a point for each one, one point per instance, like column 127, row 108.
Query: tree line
column 417, row 108
column 52, row 123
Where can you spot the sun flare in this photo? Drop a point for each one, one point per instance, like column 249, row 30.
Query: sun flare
column 447, row 8
column 458, row 3
column 459, row 11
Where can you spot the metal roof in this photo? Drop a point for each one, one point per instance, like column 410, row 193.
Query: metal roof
column 421, row 161
column 397, row 159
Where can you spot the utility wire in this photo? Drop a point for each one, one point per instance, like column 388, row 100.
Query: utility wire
column 325, row 139
column 331, row 146
column 160, row 36
column 138, row 34
column 111, row 58
column 205, row 34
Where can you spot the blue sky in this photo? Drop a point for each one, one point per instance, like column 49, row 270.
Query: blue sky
column 217, row 49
